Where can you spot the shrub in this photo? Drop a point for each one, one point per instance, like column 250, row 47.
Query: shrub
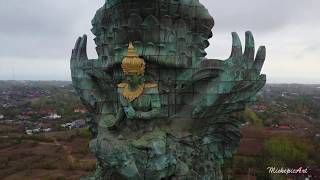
column 284, row 151
column 252, row 117
column 84, row 133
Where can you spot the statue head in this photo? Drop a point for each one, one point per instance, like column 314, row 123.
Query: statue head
column 133, row 67
column 171, row 33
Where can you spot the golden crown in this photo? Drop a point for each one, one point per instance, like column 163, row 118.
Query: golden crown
column 132, row 64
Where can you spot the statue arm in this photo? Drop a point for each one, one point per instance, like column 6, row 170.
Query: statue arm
column 155, row 105
column 109, row 120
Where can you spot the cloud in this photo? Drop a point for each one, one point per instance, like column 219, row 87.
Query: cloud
column 46, row 28
column 288, row 28
column 34, row 69
column 260, row 15
column 36, row 37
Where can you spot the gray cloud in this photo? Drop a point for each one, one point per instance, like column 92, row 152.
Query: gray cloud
column 36, row 37
column 43, row 28
column 261, row 15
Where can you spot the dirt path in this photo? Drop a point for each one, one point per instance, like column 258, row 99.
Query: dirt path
column 66, row 149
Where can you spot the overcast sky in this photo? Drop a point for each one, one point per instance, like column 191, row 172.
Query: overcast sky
column 36, row 36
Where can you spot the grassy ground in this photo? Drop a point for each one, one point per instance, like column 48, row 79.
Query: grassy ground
column 63, row 155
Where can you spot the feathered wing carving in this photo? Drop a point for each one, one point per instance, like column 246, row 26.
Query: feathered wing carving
column 91, row 83
column 238, row 81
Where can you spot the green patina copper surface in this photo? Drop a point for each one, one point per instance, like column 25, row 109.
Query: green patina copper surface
column 186, row 121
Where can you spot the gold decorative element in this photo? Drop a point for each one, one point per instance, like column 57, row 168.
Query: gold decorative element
column 132, row 64
column 132, row 95
column 151, row 85
column 122, row 85
column 129, row 94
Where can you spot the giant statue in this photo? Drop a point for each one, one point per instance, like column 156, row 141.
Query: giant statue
column 157, row 107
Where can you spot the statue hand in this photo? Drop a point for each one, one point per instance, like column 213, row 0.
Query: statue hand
column 130, row 112
column 82, row 81
column 242, row 69
column 243, row 66
column 239, row 78
column 79, row 59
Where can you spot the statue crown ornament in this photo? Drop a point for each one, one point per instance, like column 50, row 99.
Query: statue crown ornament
column 132, row 64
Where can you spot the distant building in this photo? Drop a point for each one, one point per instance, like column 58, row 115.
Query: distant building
column 80, row 110
column 67, row 125
column 78, row 124
column 37, row 130
column 23, row 117
column 75, row 124
column 29, row 132
column 46, row 130
column 245, row 124
column 288, row 94
column 53, row 116
column 284, row 127
column 260, row 108
column 7, row 105
column 1, row 116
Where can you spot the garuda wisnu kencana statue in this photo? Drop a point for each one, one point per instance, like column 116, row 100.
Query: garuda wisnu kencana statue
column 157, row 107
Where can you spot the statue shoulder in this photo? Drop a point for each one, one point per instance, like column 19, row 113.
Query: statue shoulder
column 151, row 88
column 122, row 85
column 151, row 85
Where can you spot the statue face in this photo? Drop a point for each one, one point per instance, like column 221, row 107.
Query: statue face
column 134, row 80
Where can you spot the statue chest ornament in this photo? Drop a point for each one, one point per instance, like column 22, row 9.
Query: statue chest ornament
column 130, row 94
column 133, row 65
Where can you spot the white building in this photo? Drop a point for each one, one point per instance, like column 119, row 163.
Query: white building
column 75, row 124
column 80, row 110
column 67, row 125
column 38, row 130
column 1, row 116
column 46, row 130
column 53, row 116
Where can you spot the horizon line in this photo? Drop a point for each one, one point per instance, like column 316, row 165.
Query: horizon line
column 298, row 83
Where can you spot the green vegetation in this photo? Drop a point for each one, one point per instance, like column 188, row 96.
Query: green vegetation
column 38, row 138
column 57, row 97
column 252, row 117
column 301, row 104
column 55, row 178
column 278, row 151
column 84, row 133
column 10, row 112
column 62, row 101
column 51, row 165
column 89, row 166
column 285, row 151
